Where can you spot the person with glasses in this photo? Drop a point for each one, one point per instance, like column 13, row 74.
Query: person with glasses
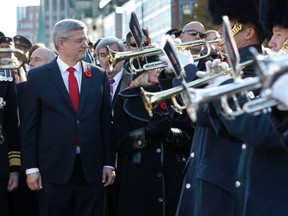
column 130, row 40
column 194, row 31
column 120, row 79
column 154, row 151
column 66, row 128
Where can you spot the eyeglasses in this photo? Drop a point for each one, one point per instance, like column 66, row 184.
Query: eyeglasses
column 133, row 44
column 78, row 41
column 195, row 32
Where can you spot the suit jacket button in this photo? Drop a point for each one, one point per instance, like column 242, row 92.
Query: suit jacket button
column 160, row 199
column 243, row 146
column 159, row 175
column 158, row 150
column 139, row 142
column 192, row 155
column 188, row 186
column 237, row 184
column 77, row 121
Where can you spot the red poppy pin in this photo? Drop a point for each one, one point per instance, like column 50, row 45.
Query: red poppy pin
column 88, row 74
column 163, row 106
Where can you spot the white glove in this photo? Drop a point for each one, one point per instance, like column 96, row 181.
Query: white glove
column 184, row 57
column 214, row 67
column 279, row 91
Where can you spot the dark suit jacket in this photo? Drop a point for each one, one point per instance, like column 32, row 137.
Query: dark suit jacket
column 123, row 84
column 50, row 125
column 9, row 133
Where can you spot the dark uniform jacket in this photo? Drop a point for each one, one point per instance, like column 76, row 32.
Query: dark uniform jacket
column 152, row 167
column 211, row 170
column 9, row 131
column 10, row 160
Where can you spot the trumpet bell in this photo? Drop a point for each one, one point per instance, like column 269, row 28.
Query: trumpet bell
column 7, row 59
column 116, row 57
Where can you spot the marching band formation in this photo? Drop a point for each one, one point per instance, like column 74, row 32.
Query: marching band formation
column 196, row 126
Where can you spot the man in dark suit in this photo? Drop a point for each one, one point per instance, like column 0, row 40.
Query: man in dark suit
column 120, row 79
column 9, row 135
column 65, row 139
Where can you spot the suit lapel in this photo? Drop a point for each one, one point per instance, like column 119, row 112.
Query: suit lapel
column 85, row 85
column 56, row 77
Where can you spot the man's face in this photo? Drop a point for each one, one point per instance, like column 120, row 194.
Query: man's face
column 23, row 48
column 73, row 48
column 103, row 61
column 38, row 57
column 194, row 31
column 5, row 45
column 280, row 35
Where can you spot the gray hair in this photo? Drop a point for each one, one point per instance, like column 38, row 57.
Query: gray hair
column 51, row 54
column 63, row 28
column 108, row 41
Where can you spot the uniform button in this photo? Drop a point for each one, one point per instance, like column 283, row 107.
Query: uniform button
column 158, row 150
column 188, row 186
column 77, row 121
column 139, row 142
column 160, row 199
column 243, row 146
column 237, row 184
column 192, row 155
column 159, row 175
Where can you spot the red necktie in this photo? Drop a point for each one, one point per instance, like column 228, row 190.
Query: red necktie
column 73, row 88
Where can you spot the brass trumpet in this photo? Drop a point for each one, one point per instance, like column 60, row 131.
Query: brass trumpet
column 152, row 99
column 115, row 57
column 190, row 44
column 268, row 69
column 5, row 62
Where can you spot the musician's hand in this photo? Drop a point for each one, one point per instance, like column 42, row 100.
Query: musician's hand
column 279, row 91
column 214, row 67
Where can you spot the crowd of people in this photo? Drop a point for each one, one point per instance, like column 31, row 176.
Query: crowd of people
column 76, row 137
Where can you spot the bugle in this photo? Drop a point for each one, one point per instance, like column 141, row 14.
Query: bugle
column 199, row 97
column 8, row 62
column 115, row 57
column 152, row 99
column 191, row 44
column 268, row 69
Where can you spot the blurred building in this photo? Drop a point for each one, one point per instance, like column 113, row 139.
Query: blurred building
column 28, row 22
column 111, row 17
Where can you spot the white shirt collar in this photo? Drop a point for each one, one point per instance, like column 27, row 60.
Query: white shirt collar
column 63, row 66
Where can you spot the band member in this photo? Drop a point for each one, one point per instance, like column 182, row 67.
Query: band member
column 10, row 161
column 154, row 151
column 211, row 170
column 263, row 155
column 23, row 43
column 9, row 58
